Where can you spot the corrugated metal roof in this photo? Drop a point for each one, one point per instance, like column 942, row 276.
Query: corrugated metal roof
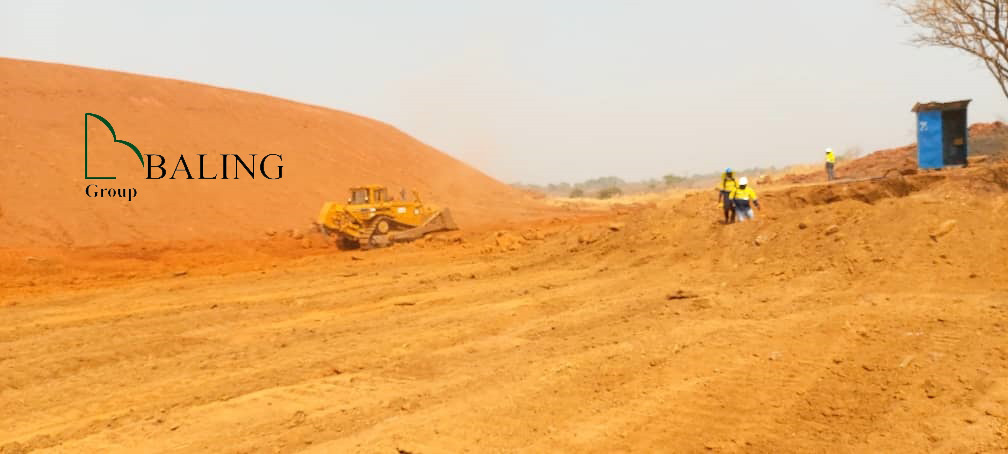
column 954, row 105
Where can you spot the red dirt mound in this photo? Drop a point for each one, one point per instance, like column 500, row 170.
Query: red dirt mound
column 985, row 139
column 981, row 129
column 324, row 151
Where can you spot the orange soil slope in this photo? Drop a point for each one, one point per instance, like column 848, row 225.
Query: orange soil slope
column 987, row 138
column 42, row 188
column 862, row 317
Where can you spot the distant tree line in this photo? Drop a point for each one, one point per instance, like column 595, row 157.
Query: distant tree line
column 611, row 186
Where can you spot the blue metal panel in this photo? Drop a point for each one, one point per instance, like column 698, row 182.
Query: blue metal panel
column 929, row 139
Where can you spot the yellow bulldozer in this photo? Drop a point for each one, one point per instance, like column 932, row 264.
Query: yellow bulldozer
column 372, row 218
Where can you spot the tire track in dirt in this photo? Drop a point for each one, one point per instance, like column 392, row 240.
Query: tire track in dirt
column 697, row 340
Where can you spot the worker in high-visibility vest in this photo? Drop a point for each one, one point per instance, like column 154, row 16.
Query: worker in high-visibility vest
column 724, row 195
column 744, row 198
column 830, row 164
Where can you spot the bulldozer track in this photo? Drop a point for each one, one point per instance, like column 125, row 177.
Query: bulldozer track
column 370, row 218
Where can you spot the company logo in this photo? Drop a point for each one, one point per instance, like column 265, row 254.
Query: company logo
column 270, row 166
column 111, row 130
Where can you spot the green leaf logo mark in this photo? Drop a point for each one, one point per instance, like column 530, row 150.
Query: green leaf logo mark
column 109, row 126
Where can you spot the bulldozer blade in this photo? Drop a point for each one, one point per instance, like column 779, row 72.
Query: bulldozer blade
column 440, row 221
column 447, row 221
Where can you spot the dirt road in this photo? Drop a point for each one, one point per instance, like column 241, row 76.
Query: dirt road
column 847, row 319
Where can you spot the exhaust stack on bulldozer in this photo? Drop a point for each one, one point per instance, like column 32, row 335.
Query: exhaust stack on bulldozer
column 371, row 218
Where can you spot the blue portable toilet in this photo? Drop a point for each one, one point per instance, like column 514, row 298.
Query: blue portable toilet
column 941, row 134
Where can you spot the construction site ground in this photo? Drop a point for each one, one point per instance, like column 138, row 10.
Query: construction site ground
column 859, row 317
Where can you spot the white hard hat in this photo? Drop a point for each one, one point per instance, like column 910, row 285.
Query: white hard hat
column 743, row 181
column 829, row 150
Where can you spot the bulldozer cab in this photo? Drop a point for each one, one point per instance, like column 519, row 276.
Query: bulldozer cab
column 358, row 196
column 367, row 195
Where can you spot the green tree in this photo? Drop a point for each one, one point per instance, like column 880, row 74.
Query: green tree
column 672, row 180
column 610, row 192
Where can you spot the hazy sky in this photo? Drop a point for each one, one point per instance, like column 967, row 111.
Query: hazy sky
column 545, row 91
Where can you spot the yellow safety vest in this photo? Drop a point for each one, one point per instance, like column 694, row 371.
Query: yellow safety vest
column 727, row 183
column 742, row 197
column 830, row 158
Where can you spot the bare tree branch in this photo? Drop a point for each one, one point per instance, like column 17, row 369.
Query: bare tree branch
column 977, row 27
